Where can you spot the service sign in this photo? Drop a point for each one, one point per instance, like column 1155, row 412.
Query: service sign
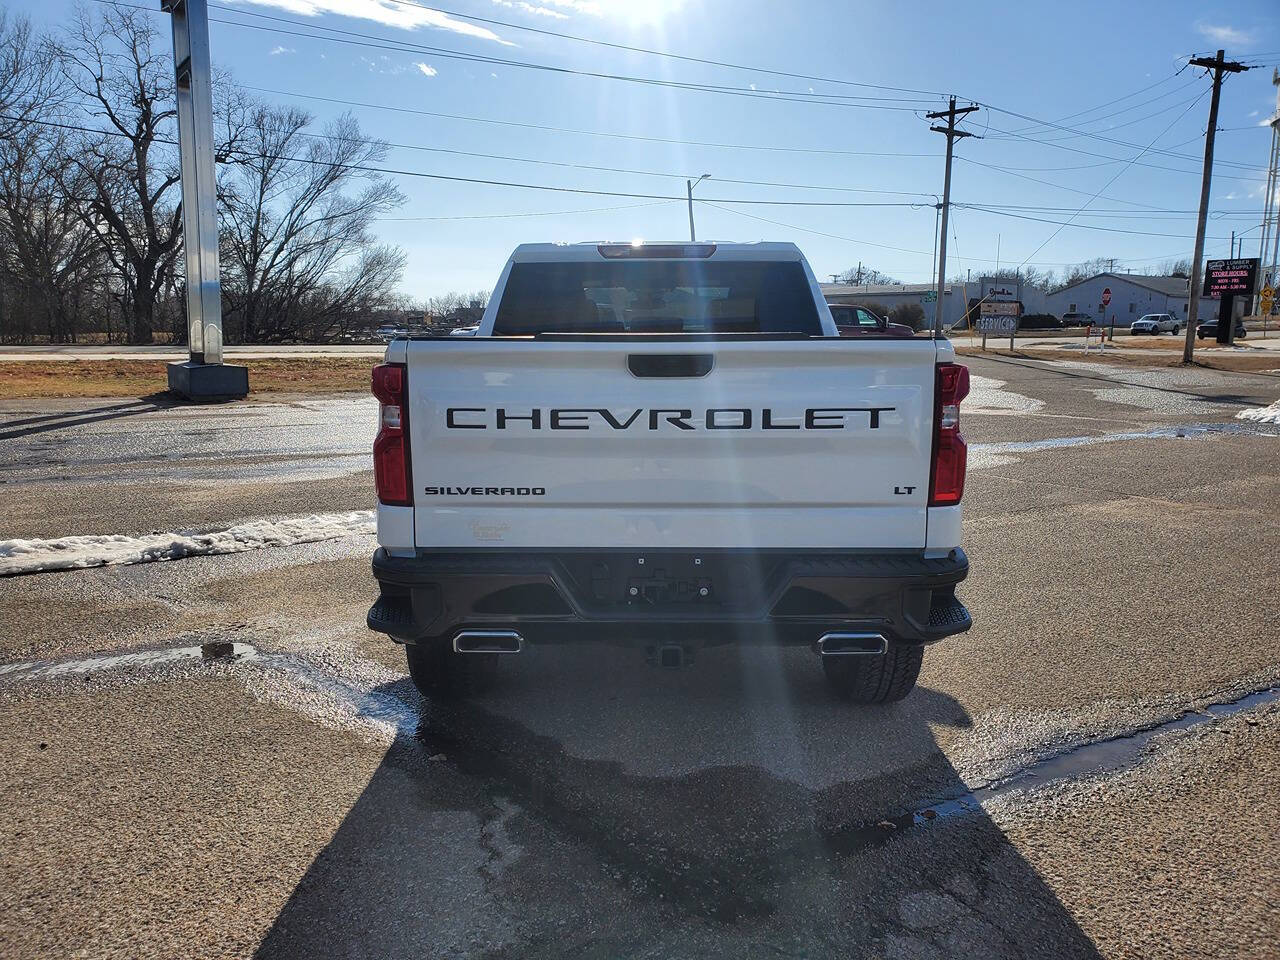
column 998, row 326
column 1227, row 278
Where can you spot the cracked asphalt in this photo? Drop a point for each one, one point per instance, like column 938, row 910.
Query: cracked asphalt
column 303, row 801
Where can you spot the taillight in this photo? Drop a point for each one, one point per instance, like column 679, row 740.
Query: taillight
column 391, row 474
column 946, row 479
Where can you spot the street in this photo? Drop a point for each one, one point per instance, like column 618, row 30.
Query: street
column 1092, row 771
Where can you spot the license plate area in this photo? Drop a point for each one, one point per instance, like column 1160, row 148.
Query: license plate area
column 670, row 582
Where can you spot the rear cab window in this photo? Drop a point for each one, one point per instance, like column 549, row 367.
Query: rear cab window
column 642, row 296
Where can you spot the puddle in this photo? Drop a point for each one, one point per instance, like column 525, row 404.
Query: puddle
column 1113, row 755
column 984, row 455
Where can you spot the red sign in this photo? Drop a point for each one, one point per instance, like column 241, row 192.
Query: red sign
column 1106, row 297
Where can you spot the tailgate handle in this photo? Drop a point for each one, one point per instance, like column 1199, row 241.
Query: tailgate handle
column 670, row 364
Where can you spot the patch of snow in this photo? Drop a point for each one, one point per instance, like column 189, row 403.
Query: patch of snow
column 989, row 396
column 1269, row 414
column 70, row 553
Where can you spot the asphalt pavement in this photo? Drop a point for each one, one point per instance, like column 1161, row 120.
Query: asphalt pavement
column 1091, row 771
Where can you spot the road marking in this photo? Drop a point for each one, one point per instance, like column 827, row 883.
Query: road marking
column 70, row 553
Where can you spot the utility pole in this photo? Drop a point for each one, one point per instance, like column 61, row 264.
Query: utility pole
column 688, row 186
column 1219, row 65
column 952, row 134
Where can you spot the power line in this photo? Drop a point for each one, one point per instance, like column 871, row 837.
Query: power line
column 1119, row 174
column 516, row 216
column 629, row 171
column 1134, row 106
column 585, row 133
column 1103, row 156
column 1047, row 183
column 372, row 41
column 1070, row 223
column 661, row 53
column 1139, row 92
column 392, row 171
column 1085, row 133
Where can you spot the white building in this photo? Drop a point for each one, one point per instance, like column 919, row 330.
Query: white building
column 883, row 297
column 1132, row 296
column 956, row 298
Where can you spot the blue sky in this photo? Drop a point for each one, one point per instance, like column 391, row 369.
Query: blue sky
column 1049, row 62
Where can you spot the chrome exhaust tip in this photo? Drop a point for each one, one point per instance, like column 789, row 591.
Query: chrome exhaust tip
column 488, row 641
column 852, row 645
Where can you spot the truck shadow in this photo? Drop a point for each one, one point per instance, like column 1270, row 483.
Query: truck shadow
column 611, row 810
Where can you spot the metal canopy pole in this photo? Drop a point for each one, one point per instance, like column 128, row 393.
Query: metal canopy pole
column 203, row 376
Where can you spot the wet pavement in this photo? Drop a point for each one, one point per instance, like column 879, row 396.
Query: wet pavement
column 1091, row 771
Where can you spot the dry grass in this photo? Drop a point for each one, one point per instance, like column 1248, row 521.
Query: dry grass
column 140, row 378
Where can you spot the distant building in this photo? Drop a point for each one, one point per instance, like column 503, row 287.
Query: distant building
column 1132, row 296
column 957, row 298
column 883, row 297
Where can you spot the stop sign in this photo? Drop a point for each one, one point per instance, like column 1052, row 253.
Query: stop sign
column 1106, row 297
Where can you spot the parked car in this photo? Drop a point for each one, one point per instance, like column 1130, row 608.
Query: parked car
column 854, row 321
column 1155, row 323
column 389, row 331
column 1077, row 320
column 468, row 331
column 1209, row 328
column 669, row 473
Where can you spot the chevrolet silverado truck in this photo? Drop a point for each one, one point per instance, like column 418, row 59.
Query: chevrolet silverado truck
column 668, row 447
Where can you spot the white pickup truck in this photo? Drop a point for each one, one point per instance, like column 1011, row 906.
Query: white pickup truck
column 668, row 446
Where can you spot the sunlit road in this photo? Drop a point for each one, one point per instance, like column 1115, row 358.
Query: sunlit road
column 301, row 800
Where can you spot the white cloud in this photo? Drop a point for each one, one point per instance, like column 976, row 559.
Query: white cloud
column 1224, row 33
column 426, row 69
column 276, row 51
column 404, row 16
column 531, row 8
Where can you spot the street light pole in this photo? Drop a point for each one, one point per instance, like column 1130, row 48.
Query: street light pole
column 688, row 186
column 204, row 376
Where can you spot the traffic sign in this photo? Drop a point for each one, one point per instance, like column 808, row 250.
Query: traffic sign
column 931, row 296
column 1265, row 299
column 1106, row 297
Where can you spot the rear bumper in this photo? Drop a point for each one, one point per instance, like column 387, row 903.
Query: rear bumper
column 714, row 596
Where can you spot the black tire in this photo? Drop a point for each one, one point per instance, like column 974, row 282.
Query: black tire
column 441, row 674
column 883, row 679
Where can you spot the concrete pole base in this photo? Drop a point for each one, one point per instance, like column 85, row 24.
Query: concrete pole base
column 208, row 382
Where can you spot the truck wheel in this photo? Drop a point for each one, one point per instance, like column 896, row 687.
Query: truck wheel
column 441, row 674
column 882, row 679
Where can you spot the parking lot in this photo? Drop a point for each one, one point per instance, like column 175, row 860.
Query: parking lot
column 1092, row 770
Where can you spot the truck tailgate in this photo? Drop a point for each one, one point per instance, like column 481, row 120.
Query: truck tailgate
column 631, row 442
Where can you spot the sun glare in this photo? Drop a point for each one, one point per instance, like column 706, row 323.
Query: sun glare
column 639, row 12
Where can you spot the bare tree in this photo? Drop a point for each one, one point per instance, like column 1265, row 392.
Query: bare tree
column 298, row 255
column 126, row 177
column 864, row 275
column 27, row 90
column 1172, row 268
column 47, row 252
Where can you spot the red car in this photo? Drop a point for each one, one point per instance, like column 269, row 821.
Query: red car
column 854, row 321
